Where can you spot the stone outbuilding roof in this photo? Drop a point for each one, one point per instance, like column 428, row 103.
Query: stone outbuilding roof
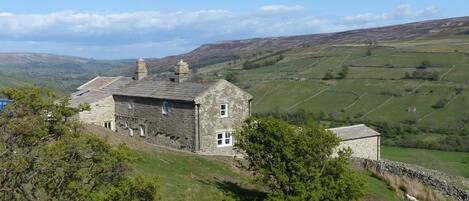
column 354, row 132
column 97, row 83
column 186, row 91
column 97, row 89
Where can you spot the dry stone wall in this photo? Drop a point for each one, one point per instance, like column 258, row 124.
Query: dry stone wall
column 444, row 183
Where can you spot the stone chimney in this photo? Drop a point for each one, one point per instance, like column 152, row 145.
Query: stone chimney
column 181, row 71
column 140, row 70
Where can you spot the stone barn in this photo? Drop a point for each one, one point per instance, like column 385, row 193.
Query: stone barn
column 364, row 141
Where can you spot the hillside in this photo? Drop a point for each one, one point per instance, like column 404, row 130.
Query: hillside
column 58, row 72
column 227, row 50
column 415, row 86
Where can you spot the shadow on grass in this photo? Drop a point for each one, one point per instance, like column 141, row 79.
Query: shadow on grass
column 236, row 191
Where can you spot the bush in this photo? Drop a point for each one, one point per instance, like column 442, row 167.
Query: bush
column 329, row 75
column 296, row 163
column 440, row 103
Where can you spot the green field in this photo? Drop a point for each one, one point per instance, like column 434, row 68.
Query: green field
column 374, row 88
column 456, row 163
column 192, row 177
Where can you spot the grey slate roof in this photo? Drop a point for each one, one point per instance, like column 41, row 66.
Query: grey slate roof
column 97, row 83
column 97, row 89
column 354, row 132
column 186, row 91
column 87, row 96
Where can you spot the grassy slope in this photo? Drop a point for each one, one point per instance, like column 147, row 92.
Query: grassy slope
column 456, row 163
column 193, row 177
column 294, row 82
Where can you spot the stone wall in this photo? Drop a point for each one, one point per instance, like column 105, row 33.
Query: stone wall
column 100, row 112
column 210, row 120
column 444, row 183
column 363, row 147
column 176, row 129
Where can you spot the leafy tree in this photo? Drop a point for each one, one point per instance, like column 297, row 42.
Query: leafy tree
column 45, row 155
column 435, row 75
column 329, row 75
column 232, row 77
column 425, row 64
column 344, row 72
column 296, row 163
column 441, row 103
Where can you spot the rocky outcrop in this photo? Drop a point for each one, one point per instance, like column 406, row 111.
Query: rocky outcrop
column 444, row 183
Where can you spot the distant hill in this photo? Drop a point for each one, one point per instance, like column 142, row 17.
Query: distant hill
column 227, row 50
column 61, row 73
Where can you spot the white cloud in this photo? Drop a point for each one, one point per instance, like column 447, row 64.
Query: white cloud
column 403, row 11
column 281, row 8
column 134, row 33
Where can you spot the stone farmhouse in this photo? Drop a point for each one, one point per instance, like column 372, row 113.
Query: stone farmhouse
column 177, row 113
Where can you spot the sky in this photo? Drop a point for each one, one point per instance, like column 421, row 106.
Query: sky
column 121, row 29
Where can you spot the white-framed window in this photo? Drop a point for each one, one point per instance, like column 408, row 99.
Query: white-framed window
column 108, row 125
column 131, row 132
column 142, row 131
column 224, row 110
column 165, row 108
column 224, row 138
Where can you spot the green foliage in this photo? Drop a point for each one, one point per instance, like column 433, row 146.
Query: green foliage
column 441, row 103
column 296, row 163
column 329, row 75
column 45, row 155
column 344, row 72
column 425, row 64
column 232, row 77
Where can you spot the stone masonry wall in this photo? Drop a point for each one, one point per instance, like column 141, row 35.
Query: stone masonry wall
column 100, row 112
column 211, row 122
column 444, row 183
column 363, row 148
column 175, row 129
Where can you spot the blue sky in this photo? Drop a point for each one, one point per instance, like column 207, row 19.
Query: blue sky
column 143, row 28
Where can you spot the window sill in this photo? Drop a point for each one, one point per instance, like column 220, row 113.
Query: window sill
column 227, row 145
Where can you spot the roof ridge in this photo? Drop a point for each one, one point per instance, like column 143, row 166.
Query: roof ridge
column 352, row 126
column 115, row 79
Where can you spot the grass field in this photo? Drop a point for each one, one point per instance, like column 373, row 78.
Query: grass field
column 456, row 163
column 374, row 88
column 191, row 177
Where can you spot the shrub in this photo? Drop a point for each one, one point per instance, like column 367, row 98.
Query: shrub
column 296, row 163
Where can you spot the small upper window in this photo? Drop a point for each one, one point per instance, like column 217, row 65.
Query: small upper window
column 142, row 131
column 165, row 108
column 108, row 125
column 223, row 110
column 131, row 132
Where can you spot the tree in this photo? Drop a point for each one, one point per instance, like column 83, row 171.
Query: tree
column 425, row 64
column 232, row 77
column 344, row 72
column 296, row 163
column 329, row 75
column 46, row 155
column 435, row 75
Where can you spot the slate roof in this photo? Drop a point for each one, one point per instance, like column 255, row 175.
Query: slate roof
column 98, row 83
column 354, row 132
column 97, row 89
column 87, row 96
column 186, row 91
